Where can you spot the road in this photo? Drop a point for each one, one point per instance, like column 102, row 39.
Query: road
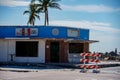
column 111, row 73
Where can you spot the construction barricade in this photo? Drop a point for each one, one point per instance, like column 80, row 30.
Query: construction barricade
column 90, row 57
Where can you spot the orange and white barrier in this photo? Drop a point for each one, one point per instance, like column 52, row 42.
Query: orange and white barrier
column 84, row 60
column 89, row 60
column 90, row 66
column 91, row 54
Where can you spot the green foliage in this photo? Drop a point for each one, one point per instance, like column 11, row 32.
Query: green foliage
column 43, row 5
column 33, row 14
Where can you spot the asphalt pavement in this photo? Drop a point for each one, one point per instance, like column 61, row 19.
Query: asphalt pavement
column 110, row 73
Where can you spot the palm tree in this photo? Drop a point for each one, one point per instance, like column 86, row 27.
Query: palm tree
column 44, row 4
column 33, row 13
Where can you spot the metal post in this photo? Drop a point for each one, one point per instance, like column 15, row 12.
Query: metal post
column 84, row 62
column 96, row 63
column 96, row 69
column 84, row 65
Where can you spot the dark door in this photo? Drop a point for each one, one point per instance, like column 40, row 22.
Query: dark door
column 54, row 52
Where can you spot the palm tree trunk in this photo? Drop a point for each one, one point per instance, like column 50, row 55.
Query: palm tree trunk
column 27, row 23
column 47, row 18
column 33, row 24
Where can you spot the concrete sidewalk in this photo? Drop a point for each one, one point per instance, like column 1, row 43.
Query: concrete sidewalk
column 110, row 73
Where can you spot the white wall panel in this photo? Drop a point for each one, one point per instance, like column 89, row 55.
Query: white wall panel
column 8, row 47
column 3, row 50
column 74, row 58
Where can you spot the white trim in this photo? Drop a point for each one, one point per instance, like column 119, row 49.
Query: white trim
column 17, row 38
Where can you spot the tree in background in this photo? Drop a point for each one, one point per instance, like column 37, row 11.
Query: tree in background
column 44, row 5
column 33, row 14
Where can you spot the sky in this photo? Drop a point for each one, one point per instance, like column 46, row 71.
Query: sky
column 102, row 17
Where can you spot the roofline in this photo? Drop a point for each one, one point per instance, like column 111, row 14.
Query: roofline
column 43, row 26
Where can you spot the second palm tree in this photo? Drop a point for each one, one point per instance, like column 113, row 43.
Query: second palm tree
column 44, row 4
column 33, row 13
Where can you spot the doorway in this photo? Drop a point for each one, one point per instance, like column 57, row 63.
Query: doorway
column 54, row 52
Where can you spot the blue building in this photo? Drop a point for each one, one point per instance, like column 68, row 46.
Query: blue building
column 42, row 44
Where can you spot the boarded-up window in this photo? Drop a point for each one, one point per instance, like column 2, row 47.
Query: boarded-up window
column 26, row 49
column 76, row 47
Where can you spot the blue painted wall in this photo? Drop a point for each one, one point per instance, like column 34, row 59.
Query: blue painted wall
column 43, row 32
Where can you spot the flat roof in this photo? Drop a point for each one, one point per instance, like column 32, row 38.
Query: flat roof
column 33, row 32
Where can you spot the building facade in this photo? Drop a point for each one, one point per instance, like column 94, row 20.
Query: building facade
column 42, row 44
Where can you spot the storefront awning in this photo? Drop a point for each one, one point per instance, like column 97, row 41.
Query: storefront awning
column 81, row 41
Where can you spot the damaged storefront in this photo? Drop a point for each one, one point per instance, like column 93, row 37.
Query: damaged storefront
column 40, row 44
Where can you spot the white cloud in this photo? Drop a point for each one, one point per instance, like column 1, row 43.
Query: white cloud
column 12, row 3
column 101, row 26
column 85, row 8
column 90, row 8
column 107, row 42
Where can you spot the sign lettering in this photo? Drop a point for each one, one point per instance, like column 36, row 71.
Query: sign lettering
column 26, row 31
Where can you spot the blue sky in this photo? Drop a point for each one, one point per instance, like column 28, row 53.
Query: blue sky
column 102, row 17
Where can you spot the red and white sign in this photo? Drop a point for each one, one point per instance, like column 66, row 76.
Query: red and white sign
column 95, row 59
column 89, row 66
column 89, row 60
column 90, row 54
column 26, row 31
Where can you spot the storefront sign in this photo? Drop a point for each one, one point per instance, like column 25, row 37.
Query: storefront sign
column 19, row 32
column 55, row 31
column 26, row 31
column 73, row 33
column 33, row 32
